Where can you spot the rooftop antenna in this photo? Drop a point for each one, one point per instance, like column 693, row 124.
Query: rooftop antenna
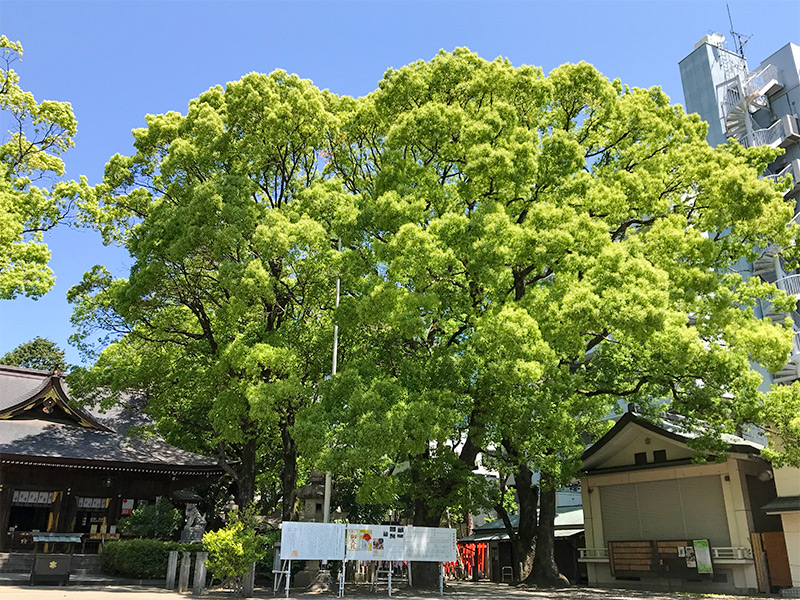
column 739, row 39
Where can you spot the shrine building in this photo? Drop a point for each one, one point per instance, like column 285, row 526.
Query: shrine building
column 67, row 469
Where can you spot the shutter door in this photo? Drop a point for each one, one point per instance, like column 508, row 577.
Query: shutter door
column 618, row 504
column 660, row 510
column 704, row 509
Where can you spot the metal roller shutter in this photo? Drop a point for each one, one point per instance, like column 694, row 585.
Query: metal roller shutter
column 691, row 508
column 660, row 510
column 620, row 511
column 704, row 510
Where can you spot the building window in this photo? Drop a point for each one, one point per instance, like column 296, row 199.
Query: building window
column 660, row 456
column 640, row 458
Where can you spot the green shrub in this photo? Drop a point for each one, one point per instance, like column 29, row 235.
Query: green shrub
column 232, row 550
column 154, row 521
column 140, row 558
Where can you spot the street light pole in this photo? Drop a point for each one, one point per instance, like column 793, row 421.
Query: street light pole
column 326, row 514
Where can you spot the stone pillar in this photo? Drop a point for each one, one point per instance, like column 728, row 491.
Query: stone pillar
column 172, row 569
column 199, row 573
column 183, row 581
column 249, row 582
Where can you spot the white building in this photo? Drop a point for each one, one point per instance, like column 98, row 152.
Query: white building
column 759, row 107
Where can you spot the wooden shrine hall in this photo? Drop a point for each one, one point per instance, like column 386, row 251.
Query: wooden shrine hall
column 71, row 470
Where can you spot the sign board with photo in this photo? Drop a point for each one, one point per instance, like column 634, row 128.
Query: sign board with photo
column 127, row 506
column 374, row 542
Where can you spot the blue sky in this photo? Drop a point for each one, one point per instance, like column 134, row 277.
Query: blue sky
column 117, row 61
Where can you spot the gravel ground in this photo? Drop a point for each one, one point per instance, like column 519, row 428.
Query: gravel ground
column 455, row 591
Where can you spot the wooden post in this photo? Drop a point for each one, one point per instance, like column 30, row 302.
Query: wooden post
column 183, row 580
column 249, row 582
column 172, row 569
column 390, row 578
column 441, row 579
column 199, row 573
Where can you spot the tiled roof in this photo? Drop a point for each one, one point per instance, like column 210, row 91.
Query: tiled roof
column 75, row 434
column 17, row 384
column 35, row 438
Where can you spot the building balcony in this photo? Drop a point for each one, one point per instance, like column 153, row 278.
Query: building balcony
column 782, row 133
column 764, row 82
column 792, row 169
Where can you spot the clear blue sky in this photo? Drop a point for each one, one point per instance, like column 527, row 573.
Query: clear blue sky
column 117, row 61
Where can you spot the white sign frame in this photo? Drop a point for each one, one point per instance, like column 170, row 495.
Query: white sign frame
column 430, row 544
column 312, row 541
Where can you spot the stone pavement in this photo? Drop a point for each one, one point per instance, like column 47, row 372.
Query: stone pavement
column 454, row 591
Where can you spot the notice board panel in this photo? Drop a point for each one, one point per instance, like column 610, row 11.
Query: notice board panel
column 375, row 542
column 430, row 544
column 312, row 541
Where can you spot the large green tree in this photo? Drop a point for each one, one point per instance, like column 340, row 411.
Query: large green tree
column 540, row 247
column 39, row 353
column 29, row 156
column 225, row 319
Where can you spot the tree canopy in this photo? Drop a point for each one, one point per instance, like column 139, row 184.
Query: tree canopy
column 39, row 353
column 517, row 251
column 541, row 247
column 225, row 319
column 29, row 156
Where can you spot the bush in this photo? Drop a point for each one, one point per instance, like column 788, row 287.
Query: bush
column 154, row 521
column 140, row 558
column 232, row 550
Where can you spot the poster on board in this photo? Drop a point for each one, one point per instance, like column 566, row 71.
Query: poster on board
column 702, row 553
column 374, row 542
column 312, row 541
column 430, row 544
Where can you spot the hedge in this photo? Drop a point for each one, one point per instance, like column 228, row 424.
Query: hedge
column 141, row 558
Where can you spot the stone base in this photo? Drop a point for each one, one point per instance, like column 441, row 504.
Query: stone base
column 323, row 582
column 192, row 535
column 792, row 592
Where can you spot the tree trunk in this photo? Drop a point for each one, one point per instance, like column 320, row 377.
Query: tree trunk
column 524, row 536
column 426, row 574
column 545, row 571
column 528, row 498
column 246, row 482
column 289, row 472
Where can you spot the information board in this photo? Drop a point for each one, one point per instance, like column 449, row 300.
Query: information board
column 430, row 544
column 702, row 552
column 375, row 542
column 312, row 541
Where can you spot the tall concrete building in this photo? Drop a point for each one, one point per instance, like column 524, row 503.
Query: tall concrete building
column 759, row 107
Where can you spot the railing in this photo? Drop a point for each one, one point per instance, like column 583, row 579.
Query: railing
column 731, row 99
column 718, row 554
column 790, row 284
column 593, row 554
column 758, row 79
column 764, row 137
column 753, row 84
column 787, row 170
column 726, row 554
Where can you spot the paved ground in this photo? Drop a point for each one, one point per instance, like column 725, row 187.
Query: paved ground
column 454, row 591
